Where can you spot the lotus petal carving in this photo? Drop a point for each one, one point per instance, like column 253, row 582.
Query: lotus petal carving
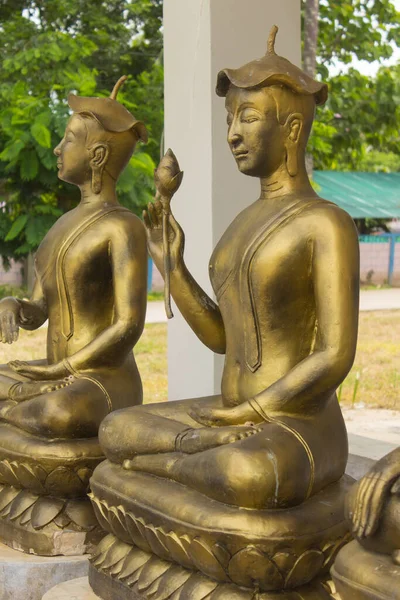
column 45, row 510
column 151, row 571
column 252, row 568
column 307, row 566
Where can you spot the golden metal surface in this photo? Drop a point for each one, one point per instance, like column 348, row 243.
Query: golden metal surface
column 286, row 278
column 91, row 285
column 369, row 568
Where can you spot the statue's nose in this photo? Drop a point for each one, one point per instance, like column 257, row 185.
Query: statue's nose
column 57, row 150
column 234, row 138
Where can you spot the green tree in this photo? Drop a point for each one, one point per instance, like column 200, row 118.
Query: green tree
column 49, row 49
column 362, row 114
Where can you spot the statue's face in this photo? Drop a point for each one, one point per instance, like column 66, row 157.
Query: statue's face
column 72, row 153
column 255, row 137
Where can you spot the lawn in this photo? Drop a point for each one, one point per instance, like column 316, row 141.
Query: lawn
column 374, row 379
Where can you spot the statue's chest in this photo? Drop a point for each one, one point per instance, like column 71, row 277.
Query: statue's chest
column 230, row 252
column 71, row 252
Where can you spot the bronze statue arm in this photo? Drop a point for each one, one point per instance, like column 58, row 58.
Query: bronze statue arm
column 335, row 272
column 199, row 311
column 128, row 255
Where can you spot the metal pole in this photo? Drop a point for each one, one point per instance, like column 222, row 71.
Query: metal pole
column 391, row 257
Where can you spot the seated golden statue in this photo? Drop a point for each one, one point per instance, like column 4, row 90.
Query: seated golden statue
column 369, row 567
column 245, row 488
column 91, row 285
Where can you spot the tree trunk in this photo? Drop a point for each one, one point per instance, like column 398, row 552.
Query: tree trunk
column 30, row 272
column 311, row 15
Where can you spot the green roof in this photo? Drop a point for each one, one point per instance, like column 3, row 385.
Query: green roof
column 362, row 195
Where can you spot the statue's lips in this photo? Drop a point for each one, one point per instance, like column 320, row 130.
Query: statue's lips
column 240, row 154
column 59, row 165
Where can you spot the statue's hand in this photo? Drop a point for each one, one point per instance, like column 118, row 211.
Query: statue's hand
column 9, row 320
column 39, row 372
column 217, row 417
column 373, row 492
column 153, row 220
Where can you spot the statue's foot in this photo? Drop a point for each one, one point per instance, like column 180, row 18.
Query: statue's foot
column 24, row 390
column 396, row 557
column 198, row 440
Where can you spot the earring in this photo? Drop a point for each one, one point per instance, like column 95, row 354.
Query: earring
column 96, row 181
column 291, row 161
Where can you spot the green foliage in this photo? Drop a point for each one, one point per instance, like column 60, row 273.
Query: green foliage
column 380, row 162
column 14, row 291
column 49, row 49
column 361, row 29
column 361, row 120
column 136, row 185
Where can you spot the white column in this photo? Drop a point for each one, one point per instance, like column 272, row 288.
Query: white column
column 202, row 37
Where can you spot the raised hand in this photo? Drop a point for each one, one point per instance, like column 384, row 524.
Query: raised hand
column 9, row 320
column 153, row 220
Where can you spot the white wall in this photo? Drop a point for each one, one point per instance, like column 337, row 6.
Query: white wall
column 202, row 37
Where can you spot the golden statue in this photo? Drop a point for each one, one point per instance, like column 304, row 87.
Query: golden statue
column 91, row 285
column 243, row 493
column 369, row 567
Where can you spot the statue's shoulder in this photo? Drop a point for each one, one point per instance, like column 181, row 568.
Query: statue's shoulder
column 122, row 219
column 325, row 216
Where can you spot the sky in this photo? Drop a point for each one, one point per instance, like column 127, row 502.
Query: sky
column 365, row 67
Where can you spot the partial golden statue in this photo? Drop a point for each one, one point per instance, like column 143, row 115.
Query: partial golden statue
column 369, row 567
column 91, row 287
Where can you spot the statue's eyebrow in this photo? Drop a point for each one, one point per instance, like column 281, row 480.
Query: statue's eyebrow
column 248, row 105
column 69, row 130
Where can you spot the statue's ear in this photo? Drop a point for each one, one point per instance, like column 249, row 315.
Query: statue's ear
column 294, row 125
column 99, row 156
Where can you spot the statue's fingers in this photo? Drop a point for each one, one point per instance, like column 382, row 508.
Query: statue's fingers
column 153, row 214
column 5, row 329
column 375, row 507
column 359, row 503
column 176, row 228
column 158, row 209
column 14, row 327
column 146, row 219
column 11, row 327
column 2, row 332
column 367, row 501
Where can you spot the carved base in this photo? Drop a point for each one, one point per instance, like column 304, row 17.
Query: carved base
column 46, row 525
column 119, row 571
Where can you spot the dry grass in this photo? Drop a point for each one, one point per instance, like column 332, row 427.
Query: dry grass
column 377, row 362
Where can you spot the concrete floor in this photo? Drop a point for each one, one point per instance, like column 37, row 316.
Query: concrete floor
column 386, row 299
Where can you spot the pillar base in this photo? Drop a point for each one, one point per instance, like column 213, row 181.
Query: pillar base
column 78, row 589
column 47, row 525
column 28, row 577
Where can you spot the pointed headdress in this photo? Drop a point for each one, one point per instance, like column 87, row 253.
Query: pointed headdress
column 112, row 115
column 271, row 69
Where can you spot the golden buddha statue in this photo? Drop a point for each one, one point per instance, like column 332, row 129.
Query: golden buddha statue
column 369, row 567
column 91, row 285
column 245, row 488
